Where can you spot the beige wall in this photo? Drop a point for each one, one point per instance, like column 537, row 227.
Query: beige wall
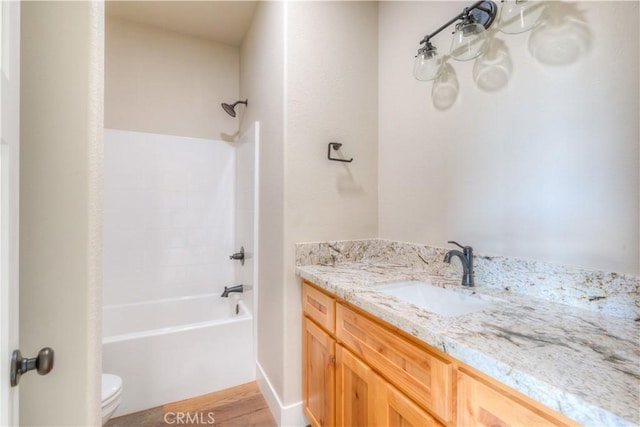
column 262, row 82
column 546, row 168
column 159, row 81
column 331, row 72
column 321, row 88
column 60, row 248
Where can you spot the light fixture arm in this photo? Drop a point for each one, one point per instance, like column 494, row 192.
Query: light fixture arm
column 488, row 11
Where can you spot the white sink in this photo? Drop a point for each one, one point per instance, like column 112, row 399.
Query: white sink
column 445, row 302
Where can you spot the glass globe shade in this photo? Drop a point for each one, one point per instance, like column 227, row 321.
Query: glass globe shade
column 468, row 42
column 428, row 65
column 518, row 16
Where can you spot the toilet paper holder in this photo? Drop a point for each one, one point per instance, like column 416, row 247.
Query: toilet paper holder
column 336, row 146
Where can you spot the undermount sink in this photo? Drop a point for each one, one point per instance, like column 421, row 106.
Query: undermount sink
column 442, row 301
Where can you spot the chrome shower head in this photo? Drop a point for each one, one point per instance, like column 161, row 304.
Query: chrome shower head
column 231, row 109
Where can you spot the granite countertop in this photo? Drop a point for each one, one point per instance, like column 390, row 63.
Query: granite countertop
column 582, row 364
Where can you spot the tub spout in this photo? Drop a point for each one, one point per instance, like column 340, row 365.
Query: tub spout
column 227, row 291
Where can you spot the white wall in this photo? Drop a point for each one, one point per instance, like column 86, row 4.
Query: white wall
column 163, row 82
column 169, row 216
column 61, row 117
column 546, row 168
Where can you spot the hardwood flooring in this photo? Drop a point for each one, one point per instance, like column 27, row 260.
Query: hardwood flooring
column 241, row 406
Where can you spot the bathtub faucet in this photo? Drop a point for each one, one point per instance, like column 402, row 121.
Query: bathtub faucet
column 227, row 291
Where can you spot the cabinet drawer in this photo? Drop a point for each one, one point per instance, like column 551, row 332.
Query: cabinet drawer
column 421, row 375
column 485, row 403
column 319, row 306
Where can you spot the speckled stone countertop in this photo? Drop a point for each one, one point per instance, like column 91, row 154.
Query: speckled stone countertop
column 580, row 363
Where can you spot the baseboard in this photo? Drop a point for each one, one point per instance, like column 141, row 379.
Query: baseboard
column 285, row 416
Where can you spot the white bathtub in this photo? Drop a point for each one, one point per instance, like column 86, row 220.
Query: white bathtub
column 169, row 350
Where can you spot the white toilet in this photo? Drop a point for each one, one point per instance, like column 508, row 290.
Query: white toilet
column 111, row 395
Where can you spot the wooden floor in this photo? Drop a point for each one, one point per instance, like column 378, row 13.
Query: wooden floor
column 241, row 406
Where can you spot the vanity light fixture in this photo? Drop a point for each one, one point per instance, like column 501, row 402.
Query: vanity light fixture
column 469, row 38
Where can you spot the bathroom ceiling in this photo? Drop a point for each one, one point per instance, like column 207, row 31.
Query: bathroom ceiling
column 221, row 21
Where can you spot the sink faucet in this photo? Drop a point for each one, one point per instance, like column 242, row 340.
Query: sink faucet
column 466, row 257
column 227, row 291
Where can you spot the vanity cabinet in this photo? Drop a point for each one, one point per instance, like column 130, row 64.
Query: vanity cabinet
column 319, row 307
column 484, row 402
column 355, row 392
column 360, row 371
column 364, row 398
column 420, row 374
column 339, row 388
column 319, row 375
column 319, row 356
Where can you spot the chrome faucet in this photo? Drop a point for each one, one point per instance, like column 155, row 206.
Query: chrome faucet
column 466, row 257
column 227, row 291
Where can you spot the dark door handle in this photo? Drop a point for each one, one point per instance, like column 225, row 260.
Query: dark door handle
column 239, row 255
column 19, row 365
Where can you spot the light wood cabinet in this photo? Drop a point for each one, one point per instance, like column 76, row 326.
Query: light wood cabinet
column 355, row 391
column 364, row 398
column 319, row 375
column 397, row 410
column 361, row 371
column 484, row 402
column 420, row 374
column 319, row 307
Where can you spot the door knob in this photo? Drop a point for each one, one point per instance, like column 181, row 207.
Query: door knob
column 19, row 365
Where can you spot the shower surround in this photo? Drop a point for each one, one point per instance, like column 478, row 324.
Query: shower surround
column 173, row 208
column 169, row 216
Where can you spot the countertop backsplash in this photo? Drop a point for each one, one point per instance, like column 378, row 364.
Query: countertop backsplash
column 607, row 293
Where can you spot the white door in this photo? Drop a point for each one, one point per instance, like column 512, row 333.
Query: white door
column 9, row 166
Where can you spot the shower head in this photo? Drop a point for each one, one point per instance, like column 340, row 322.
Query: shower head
column 231, row 109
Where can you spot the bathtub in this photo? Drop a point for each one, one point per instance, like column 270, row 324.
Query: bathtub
column 168, row 350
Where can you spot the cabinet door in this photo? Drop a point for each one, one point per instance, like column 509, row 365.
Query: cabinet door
column 355, row 391
column 319, row 375
column 366, row 399
column 397, row 410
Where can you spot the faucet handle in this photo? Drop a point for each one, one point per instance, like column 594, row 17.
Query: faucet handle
column 465, row 249
column 239, row 255
column 457, row 244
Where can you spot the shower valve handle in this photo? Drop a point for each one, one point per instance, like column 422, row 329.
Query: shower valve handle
column 239, row 255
